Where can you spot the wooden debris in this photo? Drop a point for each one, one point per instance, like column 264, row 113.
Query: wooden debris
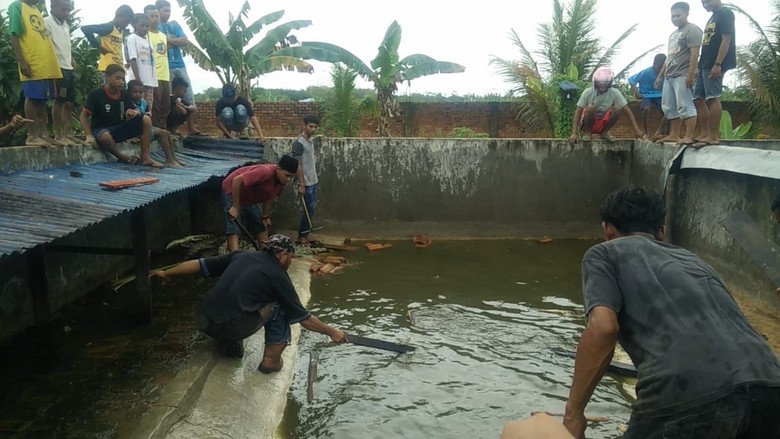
column 314, row 357
column 545, row 240
column 411, row 317
column 336, row 260
column 315, row 266
column 328, row 264
column 372, row 246
column 121, row 184
column 340, row 247
column 327, row 268
column 421, row 241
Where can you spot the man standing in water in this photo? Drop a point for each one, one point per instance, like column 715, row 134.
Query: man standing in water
column 702, row 367
column 253, row 291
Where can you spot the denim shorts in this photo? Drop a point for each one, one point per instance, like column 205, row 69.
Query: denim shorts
column 707, row 88
column 677, row 100
column 749, row 411
column 66, row 86
column 249, row 216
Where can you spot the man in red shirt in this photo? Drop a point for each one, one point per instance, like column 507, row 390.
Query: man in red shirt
column 247, row 187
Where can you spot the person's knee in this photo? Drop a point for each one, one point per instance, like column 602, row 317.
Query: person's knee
column 241, row 111
column 104, row 139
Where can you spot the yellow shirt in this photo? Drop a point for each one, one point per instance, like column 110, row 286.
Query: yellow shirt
column 113, row 43
column 35, row 42
column 159, row 43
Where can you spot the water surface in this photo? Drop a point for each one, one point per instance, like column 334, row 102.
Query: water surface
column 486, row 314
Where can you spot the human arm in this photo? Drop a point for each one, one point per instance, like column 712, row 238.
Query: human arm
column 185, row 268
column 594, row 352
column 176, row 37
column 236, row 185
column 690, row 80
column 725, row 42
column 256, row 126
column 268, row 205
column 633, row 81
column 134, row 67
column 297, row 152
column 575, row 122
column 86, row 126
column 24, row 67
column 630, row 115
column 660, row 78
column 317, row 325
column 16, row 29
column 15, row 123
column 223, row 128
column 91, row 30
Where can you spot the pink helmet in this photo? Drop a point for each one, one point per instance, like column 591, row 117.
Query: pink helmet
column 603, row 75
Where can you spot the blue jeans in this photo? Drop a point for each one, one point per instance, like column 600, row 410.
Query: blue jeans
column 310, row 198
column 250, row 217
column 748, row 412
column 234, row 120
column 277, row 328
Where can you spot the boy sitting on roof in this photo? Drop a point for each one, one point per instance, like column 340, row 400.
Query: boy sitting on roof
column 110, row 116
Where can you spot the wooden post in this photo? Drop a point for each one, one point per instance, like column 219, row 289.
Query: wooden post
column 39, row 284
column 141, row 250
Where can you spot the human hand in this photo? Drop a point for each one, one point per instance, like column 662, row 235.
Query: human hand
column 657, row 83
column 134, row 140
column 233, row 212
column 638, row 95
column 24, row 67
column 576, row 424
column 715, row 72
column 228, row 135
column 301, row 189
column 91, row 141
column 338, row 336
column 17, row 121
column 572, row 139
column 131, row 113
column 638, row 134
column 267, row 222
column 690, row 81
column 160, row 274
column 103, row 50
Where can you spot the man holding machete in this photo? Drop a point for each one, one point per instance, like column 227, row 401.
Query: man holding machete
column 703, row 370
column 253, row 291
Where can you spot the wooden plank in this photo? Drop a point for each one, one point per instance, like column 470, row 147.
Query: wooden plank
column 121, row 184
column 339, row 247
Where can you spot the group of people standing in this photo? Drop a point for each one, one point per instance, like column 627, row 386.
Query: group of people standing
column 686, row 84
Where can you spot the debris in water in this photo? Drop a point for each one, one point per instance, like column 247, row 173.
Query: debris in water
column 521, row 283
column 372, row 246
column 314, row 357
column 421, row 241
column 411, row 317
column 545, row 240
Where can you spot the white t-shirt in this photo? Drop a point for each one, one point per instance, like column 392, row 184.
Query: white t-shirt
column 139, row 49
column 60, row 37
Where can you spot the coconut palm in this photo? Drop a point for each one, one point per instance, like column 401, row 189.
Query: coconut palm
column 759, row 62
column 386, row 70
column 570, row 52
column 226, row 53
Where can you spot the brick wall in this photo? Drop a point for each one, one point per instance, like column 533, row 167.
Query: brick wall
column 497, row 119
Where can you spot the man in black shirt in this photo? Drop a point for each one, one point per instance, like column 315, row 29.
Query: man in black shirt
column 253, row 291
column 110, row 117
column 181, row 109
column 234, row 112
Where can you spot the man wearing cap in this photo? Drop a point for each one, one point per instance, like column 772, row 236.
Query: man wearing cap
column 253, row 291
column 248, row 186
column 234, row 112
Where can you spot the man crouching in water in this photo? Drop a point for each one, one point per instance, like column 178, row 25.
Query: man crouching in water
column 704, row 372
column 253, row 291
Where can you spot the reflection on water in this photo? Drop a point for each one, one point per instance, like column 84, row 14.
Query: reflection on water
column 485, row 316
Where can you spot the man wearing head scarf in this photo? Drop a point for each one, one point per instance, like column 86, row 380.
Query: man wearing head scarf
column 599, row 109
column 246, row 188
column 253, row 291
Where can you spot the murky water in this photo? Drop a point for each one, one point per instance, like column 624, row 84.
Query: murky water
column 485, row 313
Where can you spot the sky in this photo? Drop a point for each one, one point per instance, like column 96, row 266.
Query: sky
column 467, row 33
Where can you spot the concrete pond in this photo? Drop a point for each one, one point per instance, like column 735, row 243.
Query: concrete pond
column 484, row 303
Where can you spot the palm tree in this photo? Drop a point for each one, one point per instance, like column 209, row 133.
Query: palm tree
column 386, row 70
column 226, row 53
column 570, row 52
column 759, row 62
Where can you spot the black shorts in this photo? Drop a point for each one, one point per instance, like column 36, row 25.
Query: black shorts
column 66, row 86
column 124, row 131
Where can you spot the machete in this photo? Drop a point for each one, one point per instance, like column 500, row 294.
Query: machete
column 615, row 367
column 379, row 344
column 757, row 245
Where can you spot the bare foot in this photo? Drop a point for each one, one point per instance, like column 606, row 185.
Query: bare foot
column 37, row 141
column 173, row 164
column 668, row 139
column 181, row 163
column 151, row 163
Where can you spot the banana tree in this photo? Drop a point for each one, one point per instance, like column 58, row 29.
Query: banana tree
column 227, row 53
column 385, row 71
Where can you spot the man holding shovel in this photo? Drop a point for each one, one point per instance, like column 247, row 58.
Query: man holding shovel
column 247, row 187
column 303, row 150
column 253, row 291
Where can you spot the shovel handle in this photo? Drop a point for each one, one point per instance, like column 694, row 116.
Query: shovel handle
column 254, row 242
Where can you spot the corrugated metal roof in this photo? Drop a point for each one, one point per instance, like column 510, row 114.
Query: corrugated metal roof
column 242, row 149
column 39, row 206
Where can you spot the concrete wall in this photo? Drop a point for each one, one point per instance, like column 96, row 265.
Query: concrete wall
column 394, row 188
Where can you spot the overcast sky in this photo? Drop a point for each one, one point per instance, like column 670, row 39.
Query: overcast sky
column 468, row 33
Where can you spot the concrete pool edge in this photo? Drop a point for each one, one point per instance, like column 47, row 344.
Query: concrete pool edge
column 217, row 397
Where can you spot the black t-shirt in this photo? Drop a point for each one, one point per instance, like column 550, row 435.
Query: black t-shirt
column 107, row 111
column 222, row 103
column 247, row 282
column 721, row 22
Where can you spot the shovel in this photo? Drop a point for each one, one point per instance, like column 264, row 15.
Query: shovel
column 379, row 344
column 249, row 236
column 308, row 218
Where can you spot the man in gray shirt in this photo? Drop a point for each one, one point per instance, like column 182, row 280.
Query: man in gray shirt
column 680, row 72
column 701, row 367
column 303, row 150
